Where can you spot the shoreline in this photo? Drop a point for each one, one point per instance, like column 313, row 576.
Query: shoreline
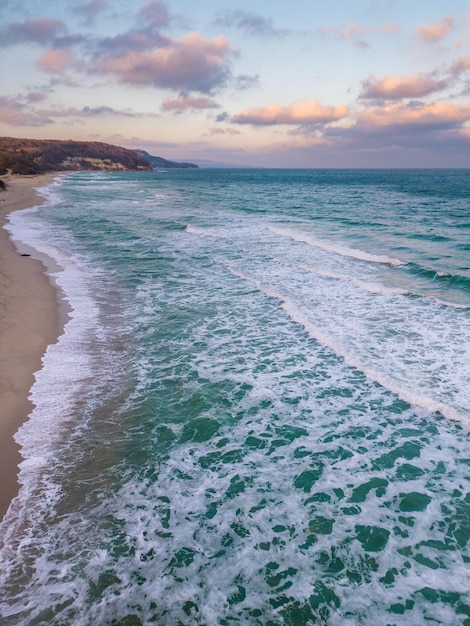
column 30, row 320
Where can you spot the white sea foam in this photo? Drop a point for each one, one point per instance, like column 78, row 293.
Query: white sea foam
column 376, row 288
column 408, row 395
column 204, row 232
column 66, row 367
column 339, row 249
column 353, row 359
column 361, row 284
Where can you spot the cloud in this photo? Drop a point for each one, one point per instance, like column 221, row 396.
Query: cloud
column 250, row 23
column 35, row 96
column 184, row 102
column 56, row 61
column 145, row 34
column 217, row 130
column 222, row 117
column 416, row 114
column 94, row 111
column 245, row 81
column 350, row 32
column 397, row 87
column 130, row 41
column 14, row 112
column 390, row 27
column 435, row 32
column 91, row 9
column 192, row 63
column 460, row 66
column 40, row 30
column 22, row 110
column 306, row 112
column 155, row 14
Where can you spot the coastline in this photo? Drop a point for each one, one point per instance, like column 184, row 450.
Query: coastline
column 30, row 320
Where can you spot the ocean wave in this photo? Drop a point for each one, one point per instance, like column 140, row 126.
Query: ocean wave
column 325, row 338
column 335, row 248
column 446, row 279
column 377, row 289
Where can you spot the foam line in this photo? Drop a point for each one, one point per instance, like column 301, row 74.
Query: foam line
column 360, row 255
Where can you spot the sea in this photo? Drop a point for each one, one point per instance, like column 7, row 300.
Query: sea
column 258, row 412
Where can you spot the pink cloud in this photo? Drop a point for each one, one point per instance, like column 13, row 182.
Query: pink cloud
column 354, row 30
column 391, row 27
column 305, row 112
column 15, row 113
column 435, row 32
column 397, row 87
column 55, row 61
column 417, row 114
column 216, row 130
column 35, row 96
column 460, row 66
column 192, row 62
column 350, row 32
column 185, row 102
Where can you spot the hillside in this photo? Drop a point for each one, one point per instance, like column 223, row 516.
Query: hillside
column 35, row 156
column 161, row 163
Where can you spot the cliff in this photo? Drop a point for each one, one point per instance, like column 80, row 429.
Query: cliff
column 38, row 156
column 161, row 163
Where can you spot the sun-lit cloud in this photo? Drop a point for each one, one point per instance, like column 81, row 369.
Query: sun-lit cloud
column 185, row 102
column 389, row 28
column 357, row 33
column 435, row 32
column 437, row 114
column 217, row 130
column 192, row 62
column 398, row 87
column 56, row 61
column 35, row 96
column 15, row 112
column 305, row 112
column 461, row 65
column 352, row 32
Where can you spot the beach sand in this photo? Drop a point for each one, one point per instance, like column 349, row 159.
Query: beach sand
column 30, row 320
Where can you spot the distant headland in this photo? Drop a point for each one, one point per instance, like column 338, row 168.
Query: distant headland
column 40, row 156
column 158, row 163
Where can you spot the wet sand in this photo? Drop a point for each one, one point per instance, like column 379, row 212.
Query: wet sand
column 30, row 320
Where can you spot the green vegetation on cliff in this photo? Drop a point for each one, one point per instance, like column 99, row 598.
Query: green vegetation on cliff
column 38, row 156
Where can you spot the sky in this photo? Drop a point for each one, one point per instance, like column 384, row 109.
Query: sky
column 271, row 83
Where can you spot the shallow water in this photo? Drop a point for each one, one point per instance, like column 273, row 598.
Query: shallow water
column 259, row 411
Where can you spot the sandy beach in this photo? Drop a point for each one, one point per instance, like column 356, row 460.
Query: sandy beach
column 29, row 322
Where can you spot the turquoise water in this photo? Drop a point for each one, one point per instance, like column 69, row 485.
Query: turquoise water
column 259, row 410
